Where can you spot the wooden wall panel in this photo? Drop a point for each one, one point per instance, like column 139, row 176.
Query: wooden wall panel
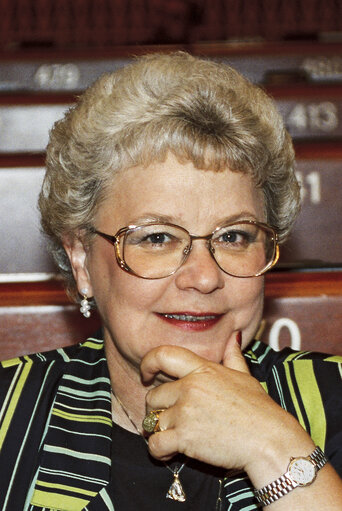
column 25, row 330
column 309, row 113
column 101, row 24
column 315, row 241
column 317, row 236
column 263, row 63
column 302, row 309
column 308, row 323
column 23, row 247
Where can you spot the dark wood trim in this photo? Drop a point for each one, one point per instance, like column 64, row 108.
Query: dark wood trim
column 322, row 150
column 37, row 98
column 20, row 160
column 326, row 91
column 46, row 292
column 98, row 53
column 265, row 48
column 282, row 92
column 304, row 283
column 210, row 49
column 277, row 285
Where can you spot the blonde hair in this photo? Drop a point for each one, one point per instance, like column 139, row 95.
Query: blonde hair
column 201, row 111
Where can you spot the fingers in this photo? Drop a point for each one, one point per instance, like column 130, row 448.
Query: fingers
column 174, row 361
column 163, row 396
column 198, row 404
column 178, row 362
column 233, row 357
column 163, row 445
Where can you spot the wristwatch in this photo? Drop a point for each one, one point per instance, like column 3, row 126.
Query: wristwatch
column 301, row 471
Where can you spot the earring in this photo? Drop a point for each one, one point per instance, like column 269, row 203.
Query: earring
column 85, row 307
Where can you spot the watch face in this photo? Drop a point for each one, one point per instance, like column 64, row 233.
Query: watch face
column 302, row 471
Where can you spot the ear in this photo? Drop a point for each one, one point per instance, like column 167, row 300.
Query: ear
column 77, row 253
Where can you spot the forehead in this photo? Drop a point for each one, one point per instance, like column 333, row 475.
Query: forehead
column 180, row 193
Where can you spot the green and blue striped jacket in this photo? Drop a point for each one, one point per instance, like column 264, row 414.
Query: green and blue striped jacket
column 55, row 423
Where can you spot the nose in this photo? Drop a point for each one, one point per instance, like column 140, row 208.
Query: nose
column 200, row 271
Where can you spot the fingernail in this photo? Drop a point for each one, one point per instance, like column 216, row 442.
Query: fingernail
column 239, row 338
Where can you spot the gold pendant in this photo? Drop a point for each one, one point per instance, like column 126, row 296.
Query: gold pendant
column 176, row 491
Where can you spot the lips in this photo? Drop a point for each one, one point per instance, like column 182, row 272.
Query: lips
column 191, row 320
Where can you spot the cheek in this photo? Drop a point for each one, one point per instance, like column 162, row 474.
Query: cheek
column 120, row 296
column 250, row 292
column 130, row 328
column 112, row 285
column 249, row 306
column 135, row 294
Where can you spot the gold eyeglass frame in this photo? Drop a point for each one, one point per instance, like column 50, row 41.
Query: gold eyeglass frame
column 115, row 241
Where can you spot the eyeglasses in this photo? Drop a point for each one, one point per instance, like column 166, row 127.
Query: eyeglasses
column 157, row 250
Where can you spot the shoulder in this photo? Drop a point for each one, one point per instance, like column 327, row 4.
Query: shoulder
column 263, row 361
column 23, row 378
column 43, row 399
column 90, row 350
column 305, row 374
column 309, row 386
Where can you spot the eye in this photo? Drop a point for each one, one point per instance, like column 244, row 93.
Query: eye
column 157, row 238
column 234, row 238
column 153, row 240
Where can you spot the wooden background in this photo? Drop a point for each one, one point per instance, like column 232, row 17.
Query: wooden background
column 50, row 51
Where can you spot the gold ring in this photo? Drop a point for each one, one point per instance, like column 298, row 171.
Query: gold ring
column 151, row 421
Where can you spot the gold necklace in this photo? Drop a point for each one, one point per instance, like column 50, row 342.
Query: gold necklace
column 176, row 491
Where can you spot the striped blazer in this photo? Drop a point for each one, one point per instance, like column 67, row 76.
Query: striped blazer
column 55, row 423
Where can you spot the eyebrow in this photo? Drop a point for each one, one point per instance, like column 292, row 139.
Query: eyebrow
column 240, row 217
column 152, row 217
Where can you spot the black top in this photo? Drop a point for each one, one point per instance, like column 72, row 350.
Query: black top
column 56, row 432
column 141, row 482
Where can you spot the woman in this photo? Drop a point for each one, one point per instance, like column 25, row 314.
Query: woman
column 168, row 188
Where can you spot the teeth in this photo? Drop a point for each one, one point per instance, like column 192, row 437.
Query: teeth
column 186, row 317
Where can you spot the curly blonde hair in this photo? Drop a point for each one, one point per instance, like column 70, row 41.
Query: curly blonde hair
column 200, row 110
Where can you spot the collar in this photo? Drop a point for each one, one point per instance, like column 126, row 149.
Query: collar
column 75, row 456
column 75, row 461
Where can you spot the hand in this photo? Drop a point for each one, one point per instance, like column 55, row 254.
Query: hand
column 218, row 414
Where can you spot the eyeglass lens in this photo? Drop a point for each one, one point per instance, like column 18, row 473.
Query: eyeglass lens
column 158, row 250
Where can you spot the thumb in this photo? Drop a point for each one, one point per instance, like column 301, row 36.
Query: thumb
column 233, row 357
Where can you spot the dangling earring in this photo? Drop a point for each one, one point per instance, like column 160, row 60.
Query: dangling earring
column 85, row 307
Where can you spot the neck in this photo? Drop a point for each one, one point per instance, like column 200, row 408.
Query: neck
column 122, row 417
column 129, row 407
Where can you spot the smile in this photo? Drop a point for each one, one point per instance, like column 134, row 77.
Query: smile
column 191, row 321
column 188, row 317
